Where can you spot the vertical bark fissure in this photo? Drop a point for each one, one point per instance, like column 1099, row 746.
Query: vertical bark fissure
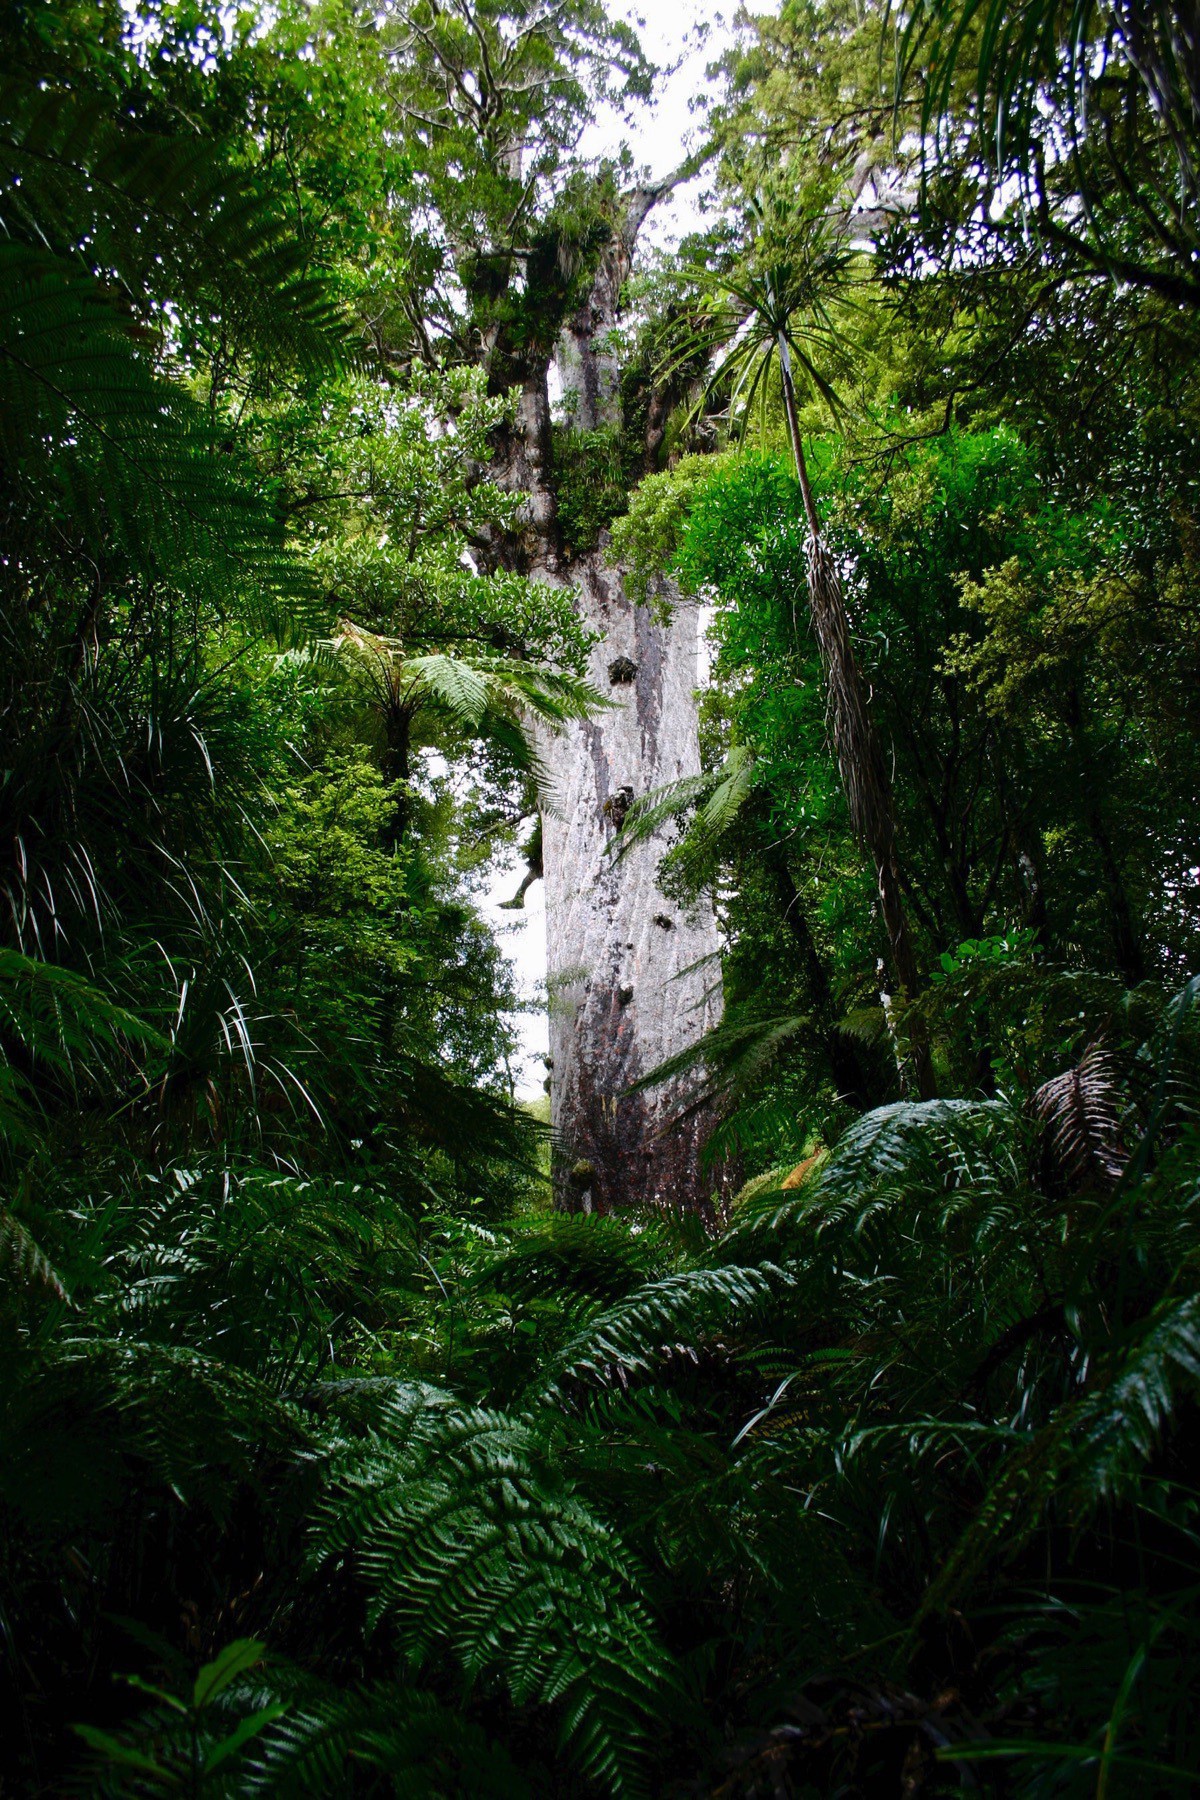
column 625, row 994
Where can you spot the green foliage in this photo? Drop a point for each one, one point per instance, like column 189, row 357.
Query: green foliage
column 906, row 1383
column 331, row 1461
column 645, row 540
column 594, row 472
column 468, row 1538
column 490, row 103
column 1072, row 79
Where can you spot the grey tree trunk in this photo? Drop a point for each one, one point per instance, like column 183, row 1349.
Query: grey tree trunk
column 633, row 978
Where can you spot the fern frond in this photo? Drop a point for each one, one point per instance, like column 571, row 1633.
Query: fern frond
column 733, row 1054
column 1115, row 1427
column 734, row 783
column 682, row 1309
column 889, row 1160
column 470, row 1542
column 188, row 1414
column 1080, row 1111
column 87, row 426
column 651, row 810
column 55, row 1023
column 167, row 213
column 718, row 798
column 419, row 1743
column 595, row 1256
column 26, row 1261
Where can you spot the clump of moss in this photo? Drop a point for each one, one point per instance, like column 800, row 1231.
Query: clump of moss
column 594, row 472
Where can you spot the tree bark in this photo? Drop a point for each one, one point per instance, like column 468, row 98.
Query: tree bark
column 633, row 979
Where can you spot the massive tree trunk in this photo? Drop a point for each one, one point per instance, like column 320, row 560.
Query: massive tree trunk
column 633, row 978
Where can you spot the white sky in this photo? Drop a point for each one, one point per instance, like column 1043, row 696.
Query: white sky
column 661, row 135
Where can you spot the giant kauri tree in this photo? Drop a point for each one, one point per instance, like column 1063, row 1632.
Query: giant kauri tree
column 532, row 245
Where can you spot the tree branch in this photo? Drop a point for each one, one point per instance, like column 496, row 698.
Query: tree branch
column 639, row 202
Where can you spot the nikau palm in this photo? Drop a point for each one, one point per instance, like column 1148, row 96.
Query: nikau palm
column 779, row 310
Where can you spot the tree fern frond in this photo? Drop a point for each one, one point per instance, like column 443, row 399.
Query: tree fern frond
column 718, row 797
column 732, row 1053
column 471, row 1542
column 651, row 810
column 452, row 682
column 168, row 213
column 632, row 1335
column 88, row 426
column 735, row 780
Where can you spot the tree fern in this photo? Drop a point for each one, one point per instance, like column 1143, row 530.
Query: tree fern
column 469, row 1541
column 91, row 429
column 718, row 798
column 635, row 1333
column 167, row 214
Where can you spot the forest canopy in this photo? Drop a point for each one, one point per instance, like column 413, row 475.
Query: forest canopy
column 340, row 1454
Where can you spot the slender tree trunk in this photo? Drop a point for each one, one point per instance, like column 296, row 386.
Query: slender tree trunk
column 855, row 741
column 397, row 765
column 1126, row 939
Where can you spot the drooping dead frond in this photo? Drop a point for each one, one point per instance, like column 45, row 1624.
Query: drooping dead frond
column 864, row 776
column 1079, row 1114
column 22, row 1258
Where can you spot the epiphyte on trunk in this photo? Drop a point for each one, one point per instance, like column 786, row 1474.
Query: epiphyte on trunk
column 617, row 805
